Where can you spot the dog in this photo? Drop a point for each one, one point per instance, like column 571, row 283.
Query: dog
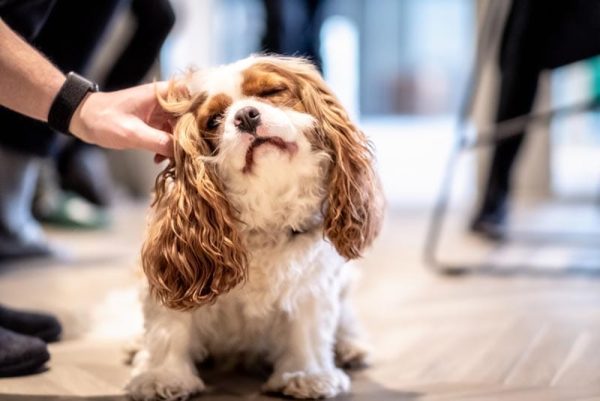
column 271, row 190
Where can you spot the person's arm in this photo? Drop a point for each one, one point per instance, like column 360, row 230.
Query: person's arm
column 28, row 82
column 130, row 118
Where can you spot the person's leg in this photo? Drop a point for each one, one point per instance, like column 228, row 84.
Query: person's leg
column 69, row 36
column 312, row 35
column 82, row 167
column 22, row 349
column 293, row 28
column 74, row 24
column 26, row 17
column 271, row 41
column 517, row 94
column 74, row 31
column 154, row 20
column 20, row 235
column 520, row 66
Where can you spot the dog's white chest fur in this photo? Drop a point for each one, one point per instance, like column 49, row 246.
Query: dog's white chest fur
column 284, row 275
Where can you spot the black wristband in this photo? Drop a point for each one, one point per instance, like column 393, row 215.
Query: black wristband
column 67, row 100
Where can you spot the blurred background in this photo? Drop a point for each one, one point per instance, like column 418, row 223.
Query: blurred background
column 525, row 322
column 404, row 92
column 401, row 68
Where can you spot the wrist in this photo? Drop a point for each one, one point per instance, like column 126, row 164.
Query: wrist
column 69, row 98
column 78, row 126
column 54, row 85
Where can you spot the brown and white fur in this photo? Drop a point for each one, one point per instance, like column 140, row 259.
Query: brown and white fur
column 246, row 251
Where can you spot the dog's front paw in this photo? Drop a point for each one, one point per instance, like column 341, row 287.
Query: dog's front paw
column 159, row 384
column 309, row 385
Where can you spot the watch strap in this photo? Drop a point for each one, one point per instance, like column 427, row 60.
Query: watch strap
column 68, row 98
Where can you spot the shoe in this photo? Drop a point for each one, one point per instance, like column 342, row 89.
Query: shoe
column 487, row 227
column 491, row 221
column 21, row 354
column 69, row 210
column 41, row 325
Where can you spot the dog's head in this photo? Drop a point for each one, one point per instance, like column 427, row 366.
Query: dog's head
column 261, row 144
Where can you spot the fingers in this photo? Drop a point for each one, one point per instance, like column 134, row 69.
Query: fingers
column 153, row 139
column 153, row 136
column 160, row 119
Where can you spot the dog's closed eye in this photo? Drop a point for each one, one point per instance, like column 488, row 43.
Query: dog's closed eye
column 276, row 90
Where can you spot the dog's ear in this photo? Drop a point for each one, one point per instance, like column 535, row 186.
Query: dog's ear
column 192, row 252
column 353, row 210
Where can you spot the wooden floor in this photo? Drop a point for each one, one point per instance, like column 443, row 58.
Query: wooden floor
column 475, row 337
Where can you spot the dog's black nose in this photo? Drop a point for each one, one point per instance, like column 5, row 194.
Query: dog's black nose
column 247, row 119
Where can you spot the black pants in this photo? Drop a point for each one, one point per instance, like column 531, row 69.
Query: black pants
column 293, row 28
column 154, row 20
column 538, row 35
column 68, row 32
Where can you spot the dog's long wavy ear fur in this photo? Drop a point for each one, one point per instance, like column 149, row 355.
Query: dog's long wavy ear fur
column 192, row 251
column 354, row 207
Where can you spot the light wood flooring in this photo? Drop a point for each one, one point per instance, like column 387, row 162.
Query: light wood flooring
column 475, row 337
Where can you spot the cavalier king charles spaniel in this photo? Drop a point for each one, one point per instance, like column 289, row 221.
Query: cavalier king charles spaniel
column 270, row 192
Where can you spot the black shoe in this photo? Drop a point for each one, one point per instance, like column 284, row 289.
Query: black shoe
column 43, row 326
column 491, row 221
column 488, row 228
column 21, row 354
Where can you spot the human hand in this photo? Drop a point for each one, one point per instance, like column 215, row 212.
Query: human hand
column 125, row 119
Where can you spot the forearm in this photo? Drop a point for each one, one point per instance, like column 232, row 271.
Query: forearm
column 28, row 82
column 125, row 119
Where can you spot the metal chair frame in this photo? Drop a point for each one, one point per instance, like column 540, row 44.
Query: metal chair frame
column 489, row 32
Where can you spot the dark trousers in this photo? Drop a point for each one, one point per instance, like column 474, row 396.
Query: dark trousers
column 68, row 32
column 538, row 35
column 154, row 20
column 293, row 28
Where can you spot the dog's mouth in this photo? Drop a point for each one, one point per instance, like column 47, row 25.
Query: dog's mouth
column 289, row 147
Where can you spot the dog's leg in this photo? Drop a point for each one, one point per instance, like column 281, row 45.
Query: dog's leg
column 164, row 367
column 304, row 362
column 351, row 350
